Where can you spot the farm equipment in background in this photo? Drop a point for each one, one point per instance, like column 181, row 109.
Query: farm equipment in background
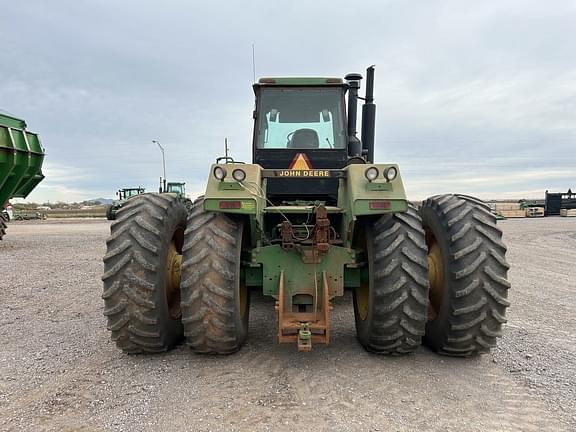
column 533, row 212
column 533, row 208
column 177, row 188
column 21, row 158
column 555, row 202
column 123, row 196
column 20, row 215
column 312, row 216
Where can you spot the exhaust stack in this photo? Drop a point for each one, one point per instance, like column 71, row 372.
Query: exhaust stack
column 369, row 117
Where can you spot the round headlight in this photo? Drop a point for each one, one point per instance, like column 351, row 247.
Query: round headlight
column 390, row 173
column 239, row 175
column 371, row 173
column 219, row 173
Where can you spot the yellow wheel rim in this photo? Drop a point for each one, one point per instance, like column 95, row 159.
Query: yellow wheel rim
column 363, row 299
column 243, row 299
column 173, row 266
column 436, row 277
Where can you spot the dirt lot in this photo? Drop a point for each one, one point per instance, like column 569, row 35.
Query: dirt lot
column 60, row 371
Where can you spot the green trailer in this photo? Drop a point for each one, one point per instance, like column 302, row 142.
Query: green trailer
column 21, row 158
column 314, row 215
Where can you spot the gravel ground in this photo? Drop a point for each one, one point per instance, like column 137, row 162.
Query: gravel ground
column 60, row 371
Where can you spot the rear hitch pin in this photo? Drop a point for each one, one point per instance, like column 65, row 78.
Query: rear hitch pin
column 304, row 338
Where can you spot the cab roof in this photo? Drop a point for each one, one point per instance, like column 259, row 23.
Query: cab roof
column 300, row 81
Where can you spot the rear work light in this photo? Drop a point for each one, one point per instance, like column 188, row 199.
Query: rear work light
column 380, row 205
column 230, row 204
column 239, row 175
column 219, row 172
column 390, row 173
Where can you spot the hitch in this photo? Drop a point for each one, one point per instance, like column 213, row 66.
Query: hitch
column 304, row 338
column 304, row 328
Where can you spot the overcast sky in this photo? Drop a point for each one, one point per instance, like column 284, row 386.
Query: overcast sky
column 474, row 97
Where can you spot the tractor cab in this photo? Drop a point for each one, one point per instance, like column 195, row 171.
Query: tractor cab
column 124, row 194
column 302, row 124
column 177, row 188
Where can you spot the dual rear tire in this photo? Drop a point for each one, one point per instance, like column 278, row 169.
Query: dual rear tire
column 170, row 275
column 141, row 297
column 468, row 275
column 390, row 304
column 215, row 301
column 440, row 274
column 437, row 275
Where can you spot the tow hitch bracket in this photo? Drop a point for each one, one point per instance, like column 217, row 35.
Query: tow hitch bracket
column 304, row 328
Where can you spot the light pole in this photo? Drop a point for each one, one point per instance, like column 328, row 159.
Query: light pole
column 163, row 161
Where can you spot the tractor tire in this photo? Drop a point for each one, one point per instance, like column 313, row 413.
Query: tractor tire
column 215, row 302
column 141, row 279
column 189, row 204
column 468, row 275
column 390, row 306
column 3, row 225
column 109, row 214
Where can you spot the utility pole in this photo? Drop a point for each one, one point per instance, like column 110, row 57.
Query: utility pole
column 163, row 160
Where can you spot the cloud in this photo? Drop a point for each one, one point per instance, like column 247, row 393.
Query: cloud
column 478, row 97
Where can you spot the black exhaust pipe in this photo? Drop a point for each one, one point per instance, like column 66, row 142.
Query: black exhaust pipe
column 369, row 117
column 354, row 144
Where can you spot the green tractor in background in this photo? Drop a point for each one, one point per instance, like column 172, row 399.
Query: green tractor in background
column 123, row 196
column 21, row 158
column 177, row 188
column 312, row 216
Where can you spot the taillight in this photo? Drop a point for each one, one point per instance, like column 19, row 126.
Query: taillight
column 230, row 204
column 380, row 205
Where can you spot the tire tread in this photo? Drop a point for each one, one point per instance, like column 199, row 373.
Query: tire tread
column 476, row 276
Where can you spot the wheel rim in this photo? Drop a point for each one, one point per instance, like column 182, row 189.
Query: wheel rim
column 173, row 267
column 243, row 299
column 362, row 300
column 362, row 293
column 435, row 276
column 241, row 275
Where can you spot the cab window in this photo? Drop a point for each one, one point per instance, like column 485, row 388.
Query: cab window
column 301, row 118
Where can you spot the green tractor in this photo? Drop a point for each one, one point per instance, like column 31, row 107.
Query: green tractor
column 177, row 188
column 123, row 196
column 311, row 217
column 21, row 159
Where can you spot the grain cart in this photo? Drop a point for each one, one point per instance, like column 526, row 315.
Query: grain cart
column 21, row 158
column 311, row 217
column 123, row 196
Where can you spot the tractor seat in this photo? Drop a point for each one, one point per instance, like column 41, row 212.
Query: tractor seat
column 304, row 139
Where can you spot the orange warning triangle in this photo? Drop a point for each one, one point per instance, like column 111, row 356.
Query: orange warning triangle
column 300, row 162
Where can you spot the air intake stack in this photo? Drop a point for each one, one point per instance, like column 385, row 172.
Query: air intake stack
column 354, row 144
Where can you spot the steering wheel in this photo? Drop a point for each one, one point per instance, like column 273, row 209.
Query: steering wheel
column 289, row 137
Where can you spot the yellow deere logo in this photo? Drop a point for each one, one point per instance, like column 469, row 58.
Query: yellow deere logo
column 300, row 162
